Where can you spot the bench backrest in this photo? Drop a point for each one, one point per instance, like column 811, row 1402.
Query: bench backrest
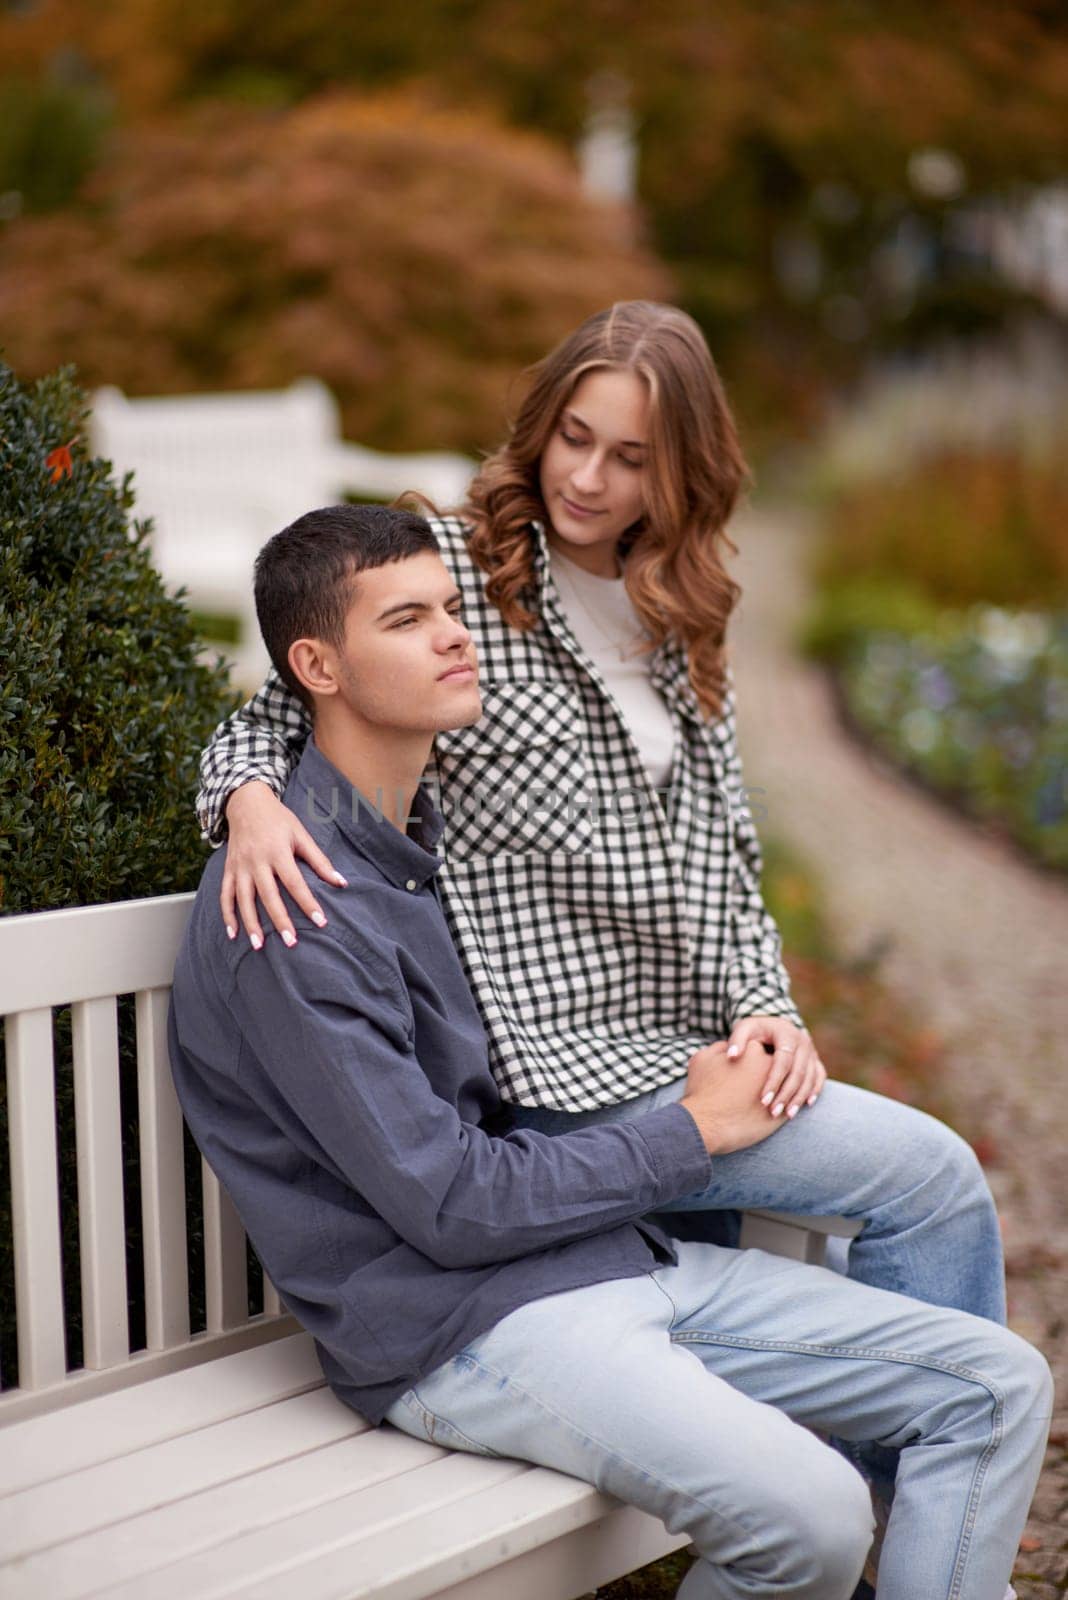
column 219, row 473
column 86, row 958
column 278, row 439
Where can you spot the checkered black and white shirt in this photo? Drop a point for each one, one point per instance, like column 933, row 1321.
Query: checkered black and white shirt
column 608, row 931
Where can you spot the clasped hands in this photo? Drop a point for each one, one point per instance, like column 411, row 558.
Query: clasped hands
column 795, row 1074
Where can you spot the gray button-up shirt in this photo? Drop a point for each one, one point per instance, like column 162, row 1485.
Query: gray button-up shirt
column 341, row 1091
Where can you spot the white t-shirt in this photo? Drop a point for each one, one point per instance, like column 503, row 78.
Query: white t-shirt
column 608, row 628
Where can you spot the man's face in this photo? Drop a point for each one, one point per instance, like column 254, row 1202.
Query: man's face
column 408, row 663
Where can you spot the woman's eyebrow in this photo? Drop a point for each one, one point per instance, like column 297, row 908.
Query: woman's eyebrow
column 629, row 444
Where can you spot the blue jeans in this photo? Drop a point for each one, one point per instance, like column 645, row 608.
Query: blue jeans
column 681, row 1391
column 931, row 1230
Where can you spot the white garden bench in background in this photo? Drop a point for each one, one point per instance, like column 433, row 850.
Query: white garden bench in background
column 217, row 1463
column 219, row 473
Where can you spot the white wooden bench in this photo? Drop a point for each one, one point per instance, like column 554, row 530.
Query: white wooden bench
column 217, row 1463
column 219, row 473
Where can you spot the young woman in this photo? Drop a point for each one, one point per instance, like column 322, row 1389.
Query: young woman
column 602, row 870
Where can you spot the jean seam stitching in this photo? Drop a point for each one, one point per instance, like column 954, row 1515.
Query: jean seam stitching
column 654, row 1278
column 978, row 1479
column 869, row 1353
column 432, row 1419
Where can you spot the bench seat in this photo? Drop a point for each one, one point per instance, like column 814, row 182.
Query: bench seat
column 245, row 1476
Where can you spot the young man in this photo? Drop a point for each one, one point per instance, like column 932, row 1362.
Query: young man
column 503, row 1291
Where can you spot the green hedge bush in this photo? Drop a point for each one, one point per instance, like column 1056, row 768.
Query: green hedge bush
column 104, row 706
column 103, row 703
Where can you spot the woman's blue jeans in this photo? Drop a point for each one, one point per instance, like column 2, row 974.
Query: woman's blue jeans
column 682, row 1390
column 930, row 1227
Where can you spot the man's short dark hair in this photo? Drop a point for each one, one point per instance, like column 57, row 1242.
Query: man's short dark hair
column 306, row 575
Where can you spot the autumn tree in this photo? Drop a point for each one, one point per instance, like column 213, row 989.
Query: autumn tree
column 778, row 143
column 412, row 259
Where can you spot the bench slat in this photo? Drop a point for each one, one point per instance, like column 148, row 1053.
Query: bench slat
column 49, row 958
column 575, row 1564
column 101, row 1218
column 143, row 1366
column 190, row 1531
column 49, row 1513
column 162, row 1178
column 285, row 1546
column 446, row 1546
column 31, row 1094
column 225, row 1266
column 113, row 1425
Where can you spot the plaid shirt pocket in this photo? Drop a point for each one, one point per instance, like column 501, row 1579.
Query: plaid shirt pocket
column 515, row 783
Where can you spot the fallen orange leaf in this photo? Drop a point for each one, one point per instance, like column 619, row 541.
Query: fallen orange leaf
column 60, row 462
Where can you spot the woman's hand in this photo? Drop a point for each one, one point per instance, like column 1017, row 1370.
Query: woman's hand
column 796, row 1074
column 265, row 841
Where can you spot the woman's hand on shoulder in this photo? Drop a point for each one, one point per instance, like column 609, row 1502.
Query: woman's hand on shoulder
column 266, row 840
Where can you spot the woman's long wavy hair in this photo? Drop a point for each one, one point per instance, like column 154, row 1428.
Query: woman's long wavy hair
column 695, row 471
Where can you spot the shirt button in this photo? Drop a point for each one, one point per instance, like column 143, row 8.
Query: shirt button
column 411, row 884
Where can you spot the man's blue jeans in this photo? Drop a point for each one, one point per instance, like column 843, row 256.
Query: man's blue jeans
column 931, row 1230
column 682, row 1390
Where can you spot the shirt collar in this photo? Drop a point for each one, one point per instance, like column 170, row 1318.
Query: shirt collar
column 324, row 798
column 540, row 546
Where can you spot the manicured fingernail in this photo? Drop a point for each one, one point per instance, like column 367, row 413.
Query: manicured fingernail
column 318, row 919
column 776, row 1111
column 288, row 939
column 812, row 1099
column 344, row 882
column 231, row 932
column 255, row 941
column 732, row 1050
column 793, row 1111
column 766, row 1100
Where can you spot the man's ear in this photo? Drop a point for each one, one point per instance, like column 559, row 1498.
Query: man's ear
column 315, row 665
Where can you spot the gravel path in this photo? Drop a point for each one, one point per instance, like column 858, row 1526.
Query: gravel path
column 972, row 937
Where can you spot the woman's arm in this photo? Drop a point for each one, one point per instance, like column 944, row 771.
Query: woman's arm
column 243, row 774
column 261, row 740
column 758, row 1001
column 757, row 980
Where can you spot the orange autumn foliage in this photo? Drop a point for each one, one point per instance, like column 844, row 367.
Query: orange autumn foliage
column 412, row 259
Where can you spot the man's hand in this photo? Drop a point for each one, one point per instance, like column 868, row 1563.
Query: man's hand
column 795, row 1074
column 723, row 1097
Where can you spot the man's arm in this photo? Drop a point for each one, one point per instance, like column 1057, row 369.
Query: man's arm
column 333, row 1035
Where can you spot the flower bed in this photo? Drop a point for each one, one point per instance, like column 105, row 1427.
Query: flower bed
column 972, row 701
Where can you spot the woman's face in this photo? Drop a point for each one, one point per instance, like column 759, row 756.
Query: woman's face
column 593, row 468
